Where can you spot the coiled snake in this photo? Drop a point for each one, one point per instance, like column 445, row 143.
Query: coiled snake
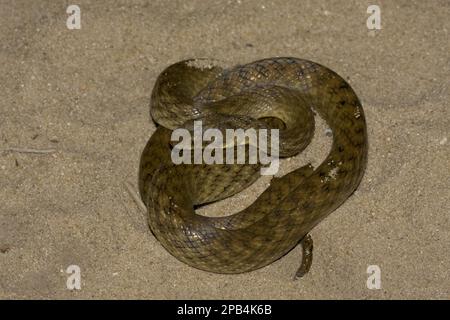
column 256, row 94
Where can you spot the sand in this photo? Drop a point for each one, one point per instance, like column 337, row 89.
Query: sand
column 85, row 93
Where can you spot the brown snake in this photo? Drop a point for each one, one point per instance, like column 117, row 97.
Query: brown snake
column 282, row 216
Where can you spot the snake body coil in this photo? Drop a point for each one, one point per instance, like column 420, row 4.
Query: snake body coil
column 281, row 88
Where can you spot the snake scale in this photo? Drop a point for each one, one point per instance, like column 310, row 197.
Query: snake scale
column 287, row 89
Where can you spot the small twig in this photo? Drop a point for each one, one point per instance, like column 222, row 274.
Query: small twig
column 29, row 150
column 124, row 202
column 135, row 197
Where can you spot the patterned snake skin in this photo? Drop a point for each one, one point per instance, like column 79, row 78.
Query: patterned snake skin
column 282, row 88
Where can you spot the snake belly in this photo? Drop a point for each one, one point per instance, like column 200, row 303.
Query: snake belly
column 292, row 205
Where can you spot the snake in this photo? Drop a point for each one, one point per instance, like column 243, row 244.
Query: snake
column 283, row 93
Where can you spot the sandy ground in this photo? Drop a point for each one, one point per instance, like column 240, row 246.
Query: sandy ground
column 86, row 93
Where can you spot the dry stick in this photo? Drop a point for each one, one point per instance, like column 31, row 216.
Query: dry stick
column 136, row 199
column 124, row 202
column 137, row 222
column 29, row 150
